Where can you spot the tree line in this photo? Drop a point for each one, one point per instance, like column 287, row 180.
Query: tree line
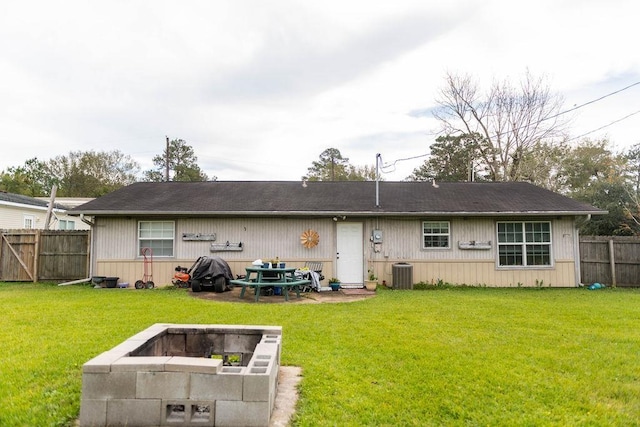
column 510, row 132
column 518, row 132
column 96, row 173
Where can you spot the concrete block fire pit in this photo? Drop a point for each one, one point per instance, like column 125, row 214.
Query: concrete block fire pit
column 184, row 375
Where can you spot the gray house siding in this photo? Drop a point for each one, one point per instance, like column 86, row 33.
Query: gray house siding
column 116, row 249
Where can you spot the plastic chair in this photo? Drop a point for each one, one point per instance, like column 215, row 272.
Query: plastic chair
column 315, row 266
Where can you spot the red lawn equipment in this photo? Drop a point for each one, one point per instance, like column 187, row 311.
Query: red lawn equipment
column 207, row 273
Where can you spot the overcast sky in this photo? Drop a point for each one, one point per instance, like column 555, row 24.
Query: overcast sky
column 260, row 88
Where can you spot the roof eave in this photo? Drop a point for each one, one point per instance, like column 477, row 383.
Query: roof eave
column 30, row 206
column 333, row 213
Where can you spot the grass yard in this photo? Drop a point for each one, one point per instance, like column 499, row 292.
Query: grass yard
column 469, row 356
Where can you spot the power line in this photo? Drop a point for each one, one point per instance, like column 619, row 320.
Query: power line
column 387, row 165
column 592, row 101
column 569, row 110
column 605, row 126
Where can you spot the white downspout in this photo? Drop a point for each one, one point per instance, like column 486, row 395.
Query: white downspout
column 92, row 242
column 86, row 221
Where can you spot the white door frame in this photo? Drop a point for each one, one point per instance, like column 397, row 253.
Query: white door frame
column 350, row 254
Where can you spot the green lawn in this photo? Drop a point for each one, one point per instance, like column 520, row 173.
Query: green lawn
column 469, row 356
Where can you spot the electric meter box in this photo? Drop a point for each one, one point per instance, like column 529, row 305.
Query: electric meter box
column 376, row 236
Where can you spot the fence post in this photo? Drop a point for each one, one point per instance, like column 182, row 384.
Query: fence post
column 36, row 254
column 612, row 263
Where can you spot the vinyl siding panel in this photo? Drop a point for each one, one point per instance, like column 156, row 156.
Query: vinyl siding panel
column 115, row 239
column 115, row 249
column 402, row 243
column 12, row 217
column 262, row 238
column 116, row 245
column 476, row 273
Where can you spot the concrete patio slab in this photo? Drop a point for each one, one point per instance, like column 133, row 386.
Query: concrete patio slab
column 343, row 295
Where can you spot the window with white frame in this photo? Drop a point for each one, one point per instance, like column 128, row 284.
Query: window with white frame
column 157, row 235
column 29, row 221
column 435, row 234
column 66, row 224
column 524, row 243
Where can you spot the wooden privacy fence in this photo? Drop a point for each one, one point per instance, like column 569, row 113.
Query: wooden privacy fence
column 44, row 255
column 611, row 260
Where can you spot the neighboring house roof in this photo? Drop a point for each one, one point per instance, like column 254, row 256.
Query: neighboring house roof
column 19, row 199
column 276, row 198
column 69, row 202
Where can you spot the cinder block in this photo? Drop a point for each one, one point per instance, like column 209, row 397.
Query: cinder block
column 264, row 357
column 242, row 414
column 152, row 331
column 134, row 412
column 93, row 412
column 176, row 344
column 250, row 329
column 238, row 343
column 101, row 363
column 168, row 367
column 193, row 364
column 274, row 376
column 162, row 385
column 180, row 329
column 261, row 379
column 201, row 344
column 224, row 385
column 256, row 387
column 152, row 347
column 113, row 385
column 143, row 364
column 130, row 346
column 188, row 412
column 271, row 339
column 267, row 349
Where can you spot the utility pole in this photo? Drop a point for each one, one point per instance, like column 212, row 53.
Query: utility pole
column 52, row 200
column 166, row 162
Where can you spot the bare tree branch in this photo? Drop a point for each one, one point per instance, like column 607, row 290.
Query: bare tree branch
column 511, row 120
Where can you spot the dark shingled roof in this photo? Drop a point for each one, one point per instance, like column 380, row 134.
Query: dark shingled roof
column 260, row 198
column 26, row 200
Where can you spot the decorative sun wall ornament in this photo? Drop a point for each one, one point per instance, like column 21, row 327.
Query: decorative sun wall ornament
column 309, row 238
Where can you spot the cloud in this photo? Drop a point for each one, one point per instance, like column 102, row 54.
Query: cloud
column 296, row 63
column 253, row 86
column 422, row 112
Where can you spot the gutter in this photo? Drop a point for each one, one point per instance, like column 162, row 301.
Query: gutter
column 86, row 221
column 28, row 206
column 332, row 213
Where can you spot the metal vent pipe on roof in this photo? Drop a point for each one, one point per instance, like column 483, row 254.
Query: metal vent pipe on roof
column 377, row 180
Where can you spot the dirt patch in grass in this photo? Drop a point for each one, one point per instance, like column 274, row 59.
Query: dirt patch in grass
column 343, row 295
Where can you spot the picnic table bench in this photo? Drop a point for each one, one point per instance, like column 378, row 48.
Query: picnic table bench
column 280, row 277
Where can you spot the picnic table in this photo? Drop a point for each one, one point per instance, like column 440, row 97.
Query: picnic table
column 281, row 277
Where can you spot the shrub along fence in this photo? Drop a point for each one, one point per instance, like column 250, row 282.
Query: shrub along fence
column 612, row 260
column 44, row 255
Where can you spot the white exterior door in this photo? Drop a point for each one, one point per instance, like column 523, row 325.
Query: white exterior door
column 349, row 254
